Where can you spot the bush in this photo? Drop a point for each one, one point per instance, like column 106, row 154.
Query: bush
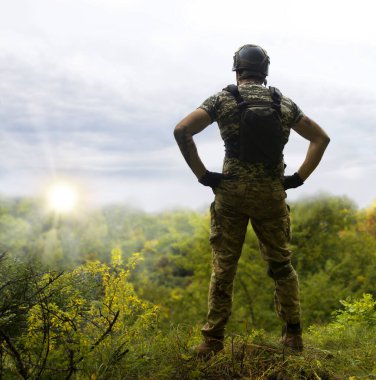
column 85, row 322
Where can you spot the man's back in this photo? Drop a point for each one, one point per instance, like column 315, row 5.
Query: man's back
column 223, row 109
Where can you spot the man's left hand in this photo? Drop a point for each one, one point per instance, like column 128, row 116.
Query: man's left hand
column 292, row 181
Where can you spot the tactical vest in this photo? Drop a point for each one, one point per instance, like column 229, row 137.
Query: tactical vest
column 261, row 138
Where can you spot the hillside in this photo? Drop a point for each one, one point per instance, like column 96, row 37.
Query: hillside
column 121, row 294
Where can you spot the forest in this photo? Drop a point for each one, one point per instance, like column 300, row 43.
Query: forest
column 118, row 293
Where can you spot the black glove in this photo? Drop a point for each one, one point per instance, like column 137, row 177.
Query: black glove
column 292, row 181
column 213, row 179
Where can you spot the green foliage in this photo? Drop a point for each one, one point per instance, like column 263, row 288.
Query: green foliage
column 317, row 223
column 78, row 323
column 350, row 337
column 71, row 308
column 356, row 312
column 332, row 252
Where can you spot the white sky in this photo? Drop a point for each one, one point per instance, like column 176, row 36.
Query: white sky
column 90, row 90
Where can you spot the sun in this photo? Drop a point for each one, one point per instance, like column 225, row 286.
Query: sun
column 62, row 197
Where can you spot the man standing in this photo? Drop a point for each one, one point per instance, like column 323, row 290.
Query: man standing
column 255, row 123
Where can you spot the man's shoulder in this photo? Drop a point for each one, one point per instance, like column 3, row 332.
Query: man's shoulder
column 286, row 100
column 292, row 111
column 223, row 94
column 213, row 104
column 217, row 100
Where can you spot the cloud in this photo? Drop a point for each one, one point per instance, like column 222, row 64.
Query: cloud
column 98, row 100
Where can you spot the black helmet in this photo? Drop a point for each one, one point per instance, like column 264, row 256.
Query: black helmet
column 252, row 58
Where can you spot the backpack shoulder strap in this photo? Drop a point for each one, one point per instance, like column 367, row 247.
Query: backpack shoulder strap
column 277, row 98
column 234, row 91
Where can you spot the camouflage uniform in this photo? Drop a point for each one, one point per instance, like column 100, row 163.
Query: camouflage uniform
column 256, row 194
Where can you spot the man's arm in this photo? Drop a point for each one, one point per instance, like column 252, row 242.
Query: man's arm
column 194, row 123
column 318, row 139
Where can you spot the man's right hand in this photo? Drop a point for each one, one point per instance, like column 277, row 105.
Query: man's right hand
column 213, row 179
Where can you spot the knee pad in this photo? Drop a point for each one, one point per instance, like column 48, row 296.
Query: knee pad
column 280, row 271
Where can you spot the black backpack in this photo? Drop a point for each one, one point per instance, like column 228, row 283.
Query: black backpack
column 261, row 138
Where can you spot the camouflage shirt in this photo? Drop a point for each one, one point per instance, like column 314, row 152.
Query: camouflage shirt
column 222, row 108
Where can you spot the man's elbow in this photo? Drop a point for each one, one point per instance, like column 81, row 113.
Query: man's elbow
column 325, row 140
column 321, row 139
column 179, row 131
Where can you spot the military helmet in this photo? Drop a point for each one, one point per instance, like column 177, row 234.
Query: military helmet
column 252, row 58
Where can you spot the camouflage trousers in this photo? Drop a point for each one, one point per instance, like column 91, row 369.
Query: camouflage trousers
column 262, row 202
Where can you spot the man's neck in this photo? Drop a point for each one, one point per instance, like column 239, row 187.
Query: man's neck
column 249, row 81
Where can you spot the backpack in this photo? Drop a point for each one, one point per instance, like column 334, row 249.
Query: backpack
column 261, row 138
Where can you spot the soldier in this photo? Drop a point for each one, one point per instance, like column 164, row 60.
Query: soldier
column 254, row 123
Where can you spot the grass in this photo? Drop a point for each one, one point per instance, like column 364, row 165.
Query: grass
column 331, row 353
column 327, row 355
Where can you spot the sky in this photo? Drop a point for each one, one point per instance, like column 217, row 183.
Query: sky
column 91, row 90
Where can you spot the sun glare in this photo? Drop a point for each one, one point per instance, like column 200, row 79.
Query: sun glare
column 62, row 197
